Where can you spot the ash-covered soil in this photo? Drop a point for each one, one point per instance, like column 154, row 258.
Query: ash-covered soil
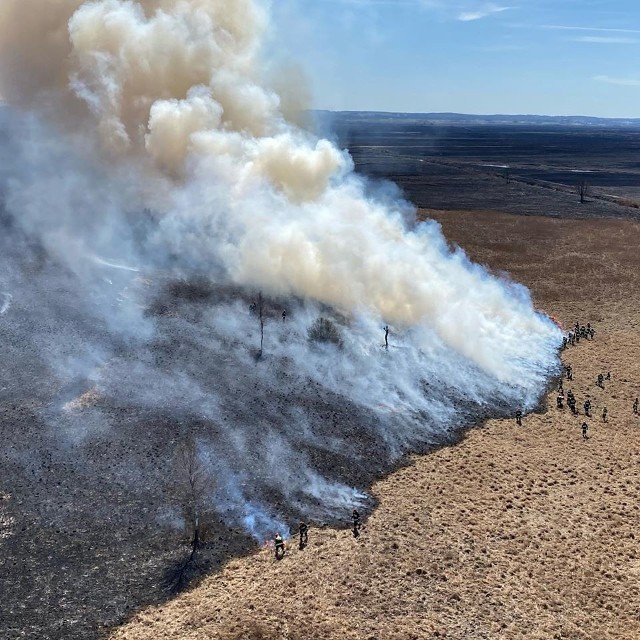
column 95, row 512
column 514, row 533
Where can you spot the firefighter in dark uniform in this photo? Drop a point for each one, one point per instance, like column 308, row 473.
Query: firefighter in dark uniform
column 304, row 534
column 356, row 523
column 279, row 546
column 571, row 401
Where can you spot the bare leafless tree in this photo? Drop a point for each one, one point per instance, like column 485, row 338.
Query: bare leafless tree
column 261, row 318
column 197, row 483
column 582, row 189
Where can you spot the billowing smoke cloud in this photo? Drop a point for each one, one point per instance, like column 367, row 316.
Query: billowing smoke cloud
column 159, row 150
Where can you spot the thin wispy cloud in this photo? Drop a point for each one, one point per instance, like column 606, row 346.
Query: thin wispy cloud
column 563, row 27
column 624, row 82
column 461, row 10
column 605, row 40
column 482, row 12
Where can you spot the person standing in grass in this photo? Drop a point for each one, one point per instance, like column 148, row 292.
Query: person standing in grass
column 304, row 534
column 571, row 401
column 279, row 546
column 356, row 523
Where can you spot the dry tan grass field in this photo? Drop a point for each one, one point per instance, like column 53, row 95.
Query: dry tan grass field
column 514, row 532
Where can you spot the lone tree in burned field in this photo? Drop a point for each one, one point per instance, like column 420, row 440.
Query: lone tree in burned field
column 583, row 190
column 261, row 318
column 195, row 483
column 258, row 309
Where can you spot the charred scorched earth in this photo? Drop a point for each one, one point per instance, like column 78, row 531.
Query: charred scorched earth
column 96, row 511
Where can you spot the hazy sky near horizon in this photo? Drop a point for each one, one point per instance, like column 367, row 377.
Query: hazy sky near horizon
column 554, row 57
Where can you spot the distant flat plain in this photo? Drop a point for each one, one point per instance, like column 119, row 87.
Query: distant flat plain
column 527, row 167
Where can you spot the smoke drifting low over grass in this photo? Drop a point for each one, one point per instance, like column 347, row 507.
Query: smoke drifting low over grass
column 160, row 187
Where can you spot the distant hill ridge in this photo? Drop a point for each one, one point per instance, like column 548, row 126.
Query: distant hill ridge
column 466, row 118
column 457, row 118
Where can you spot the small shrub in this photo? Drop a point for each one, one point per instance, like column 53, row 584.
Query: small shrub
column 323, row 330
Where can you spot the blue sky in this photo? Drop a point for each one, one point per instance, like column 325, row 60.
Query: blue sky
column 555, row 57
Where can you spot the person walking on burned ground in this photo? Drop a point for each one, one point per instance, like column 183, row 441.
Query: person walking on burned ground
column 561, row 387
column 572, row 338
column 560, row 401
column 279, row 546
column 569, row 370
column 635, row 406
column 571, row 401
column 519, row 418
column 303, row 530
column 587, row 408
column 355, row 516
column 605, row 413
column 585, row 428
column 600, row 381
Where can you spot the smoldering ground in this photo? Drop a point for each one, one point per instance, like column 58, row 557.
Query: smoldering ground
column 124, row 319
column 118, row 349
column 154, row 190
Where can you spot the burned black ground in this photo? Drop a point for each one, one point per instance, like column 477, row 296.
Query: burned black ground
column 527, row 168
column 89, row 536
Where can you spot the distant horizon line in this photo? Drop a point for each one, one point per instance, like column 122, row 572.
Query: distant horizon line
column 476, row 115
column 459, row 114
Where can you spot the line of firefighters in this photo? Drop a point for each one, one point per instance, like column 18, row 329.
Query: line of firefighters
column 573, row 337
column 580, row 331
column 303, row 532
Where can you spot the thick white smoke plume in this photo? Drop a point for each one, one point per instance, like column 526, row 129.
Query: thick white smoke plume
column 165, row 151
